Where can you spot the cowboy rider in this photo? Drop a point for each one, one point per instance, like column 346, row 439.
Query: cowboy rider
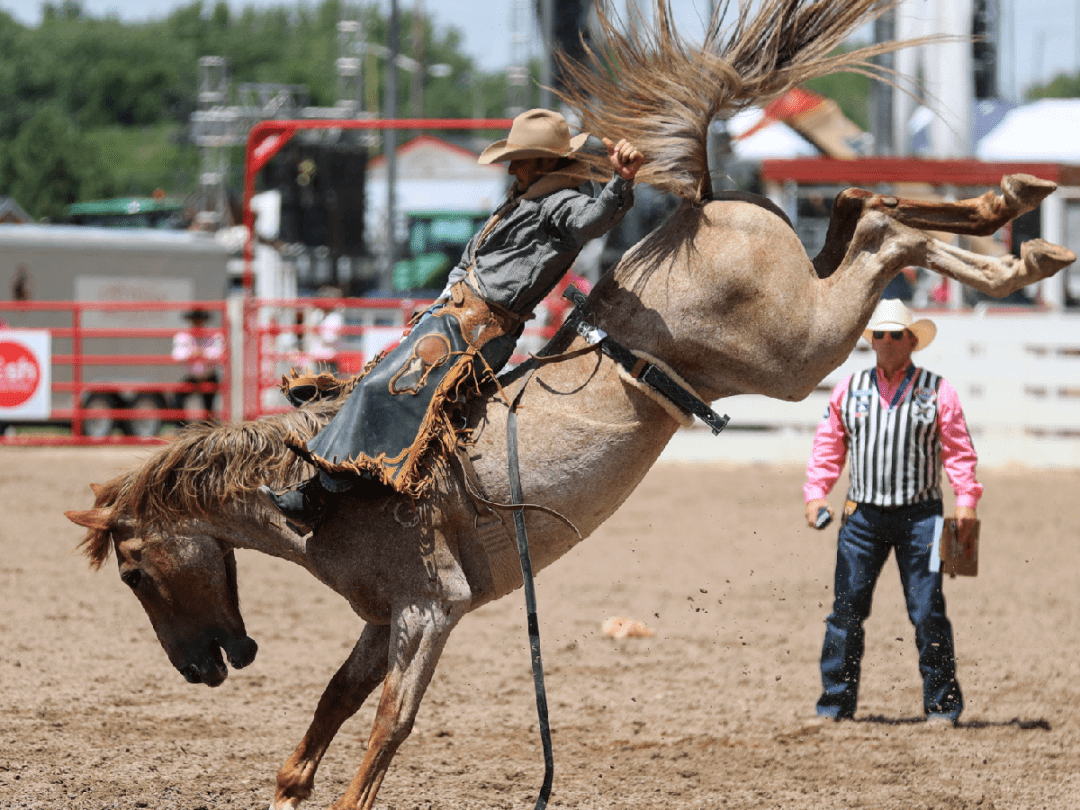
column 516, row 259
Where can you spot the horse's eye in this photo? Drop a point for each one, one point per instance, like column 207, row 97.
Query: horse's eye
column 131, row 578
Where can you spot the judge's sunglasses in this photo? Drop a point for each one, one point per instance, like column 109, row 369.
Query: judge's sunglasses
column 895, row 335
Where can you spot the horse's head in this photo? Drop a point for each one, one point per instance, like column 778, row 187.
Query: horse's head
column 184, row 579
column 163, row 520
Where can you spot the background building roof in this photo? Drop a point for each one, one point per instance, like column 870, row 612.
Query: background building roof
column 11, row 212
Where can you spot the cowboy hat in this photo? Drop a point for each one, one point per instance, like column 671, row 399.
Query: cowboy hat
column 535, row 134
column 197, row 314
column 891, row 315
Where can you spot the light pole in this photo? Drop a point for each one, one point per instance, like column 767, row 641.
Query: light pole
column 395, row 60
column 390, row 144
column 547, row 35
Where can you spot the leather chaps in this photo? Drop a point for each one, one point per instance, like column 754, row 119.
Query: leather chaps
column 399, row 419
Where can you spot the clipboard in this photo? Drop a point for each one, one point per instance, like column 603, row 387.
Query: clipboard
column 958, row 558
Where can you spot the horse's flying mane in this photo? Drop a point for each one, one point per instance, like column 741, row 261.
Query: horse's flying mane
column 644, row 81
column 205, row 464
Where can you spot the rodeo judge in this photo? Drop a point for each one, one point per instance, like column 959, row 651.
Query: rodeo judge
column 896, row 424
column 397, row 420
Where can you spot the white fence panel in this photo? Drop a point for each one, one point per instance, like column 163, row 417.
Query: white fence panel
column 1018, row 376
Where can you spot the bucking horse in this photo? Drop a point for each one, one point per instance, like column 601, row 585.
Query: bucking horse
column 722, row 297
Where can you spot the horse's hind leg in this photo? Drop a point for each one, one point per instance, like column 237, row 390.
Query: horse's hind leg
column 998, row 277
column 881, row 246
column 364, row 669
column 978, row 216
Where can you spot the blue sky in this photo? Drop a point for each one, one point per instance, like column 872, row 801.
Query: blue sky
column 1040, row 38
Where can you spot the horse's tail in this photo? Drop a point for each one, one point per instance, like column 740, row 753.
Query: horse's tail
column 644, row 81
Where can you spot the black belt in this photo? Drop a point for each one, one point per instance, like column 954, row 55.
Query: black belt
column 899, row 507
column 638, row 368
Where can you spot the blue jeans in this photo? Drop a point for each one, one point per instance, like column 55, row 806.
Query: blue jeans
column 866, row 538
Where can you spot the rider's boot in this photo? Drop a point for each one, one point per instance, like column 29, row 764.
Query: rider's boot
column 306, row 505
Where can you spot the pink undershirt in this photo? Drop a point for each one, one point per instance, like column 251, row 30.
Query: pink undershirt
column 957, row 453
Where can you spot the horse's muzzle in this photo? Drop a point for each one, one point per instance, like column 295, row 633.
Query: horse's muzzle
column 211, row 669
column 241, row 651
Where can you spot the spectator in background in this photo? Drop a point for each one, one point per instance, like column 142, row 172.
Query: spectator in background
column 201, row 349
column 20, row 284
column 896, row 424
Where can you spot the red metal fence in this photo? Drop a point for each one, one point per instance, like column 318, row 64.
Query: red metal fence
column 285, row 334
column 118, row 384
column 112, row 382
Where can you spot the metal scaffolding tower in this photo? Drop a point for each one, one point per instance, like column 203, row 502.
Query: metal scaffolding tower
column 222, row 122
column 517, row 74
column 217, row 126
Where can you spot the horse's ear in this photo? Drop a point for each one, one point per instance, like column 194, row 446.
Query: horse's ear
column 97, row 519
column 97, row 488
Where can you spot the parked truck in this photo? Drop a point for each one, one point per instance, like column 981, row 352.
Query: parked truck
column 62, row 263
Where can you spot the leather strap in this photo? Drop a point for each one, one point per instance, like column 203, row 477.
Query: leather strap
column 530, row 601
column 638, row 368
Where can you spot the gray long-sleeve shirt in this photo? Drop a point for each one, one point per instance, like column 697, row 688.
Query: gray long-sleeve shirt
column 535, row 241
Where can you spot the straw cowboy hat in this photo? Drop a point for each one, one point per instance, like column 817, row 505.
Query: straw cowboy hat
column 891, row 315
column 535, row 134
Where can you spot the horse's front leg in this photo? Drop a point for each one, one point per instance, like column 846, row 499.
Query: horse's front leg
column 420, row 632
column 364, row 669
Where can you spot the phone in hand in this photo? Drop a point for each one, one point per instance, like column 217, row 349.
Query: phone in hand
column 823, row 518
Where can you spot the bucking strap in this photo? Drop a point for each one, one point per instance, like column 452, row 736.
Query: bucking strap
column 530, row 603
column 638, row 367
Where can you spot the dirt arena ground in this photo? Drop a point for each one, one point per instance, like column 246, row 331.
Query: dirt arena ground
column 709, row 713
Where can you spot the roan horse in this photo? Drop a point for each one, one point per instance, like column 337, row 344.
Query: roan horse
column 722, row 293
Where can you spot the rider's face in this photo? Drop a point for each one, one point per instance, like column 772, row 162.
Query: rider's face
column 529, row 170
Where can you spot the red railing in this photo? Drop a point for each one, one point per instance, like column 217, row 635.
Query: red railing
column 278, row 335
column 92, row 389
column 278, row 339
column 107, row 407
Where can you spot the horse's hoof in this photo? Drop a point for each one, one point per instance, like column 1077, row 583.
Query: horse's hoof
column 1043, row 258
column 1025, row 191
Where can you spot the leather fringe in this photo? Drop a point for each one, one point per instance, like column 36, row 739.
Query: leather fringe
column 412, row 472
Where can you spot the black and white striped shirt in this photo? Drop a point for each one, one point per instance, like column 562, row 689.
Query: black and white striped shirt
column 894, row 453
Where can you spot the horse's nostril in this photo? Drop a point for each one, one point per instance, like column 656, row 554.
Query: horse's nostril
column 191, row 674
column 243, row 652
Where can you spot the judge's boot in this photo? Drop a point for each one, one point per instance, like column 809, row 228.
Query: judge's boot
column 305, row 506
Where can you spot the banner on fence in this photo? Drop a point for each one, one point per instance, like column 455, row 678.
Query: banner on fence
column 25, row 374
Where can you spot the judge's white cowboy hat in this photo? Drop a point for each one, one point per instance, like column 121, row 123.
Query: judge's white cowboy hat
column 535, row 134
column 891, row 315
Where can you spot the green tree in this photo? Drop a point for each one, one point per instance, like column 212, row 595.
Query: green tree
column 48, row 166
column 125, row 92
column 851, row 91
column 1061, row 86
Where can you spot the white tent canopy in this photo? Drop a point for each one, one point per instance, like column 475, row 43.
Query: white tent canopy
column 1044, row 130
column 774, row 140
